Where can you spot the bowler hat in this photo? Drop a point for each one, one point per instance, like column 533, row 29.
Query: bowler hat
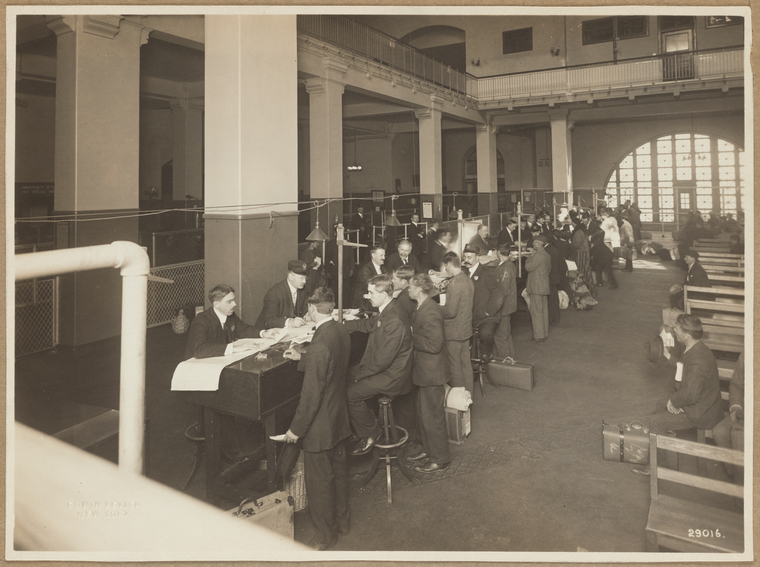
column 470, row 249
column 298, row 267
column 540, row 238
column 693, row 253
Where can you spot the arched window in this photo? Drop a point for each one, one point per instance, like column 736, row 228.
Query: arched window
column 678, row 173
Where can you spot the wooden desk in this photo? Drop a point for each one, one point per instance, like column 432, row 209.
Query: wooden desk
column 259, row 390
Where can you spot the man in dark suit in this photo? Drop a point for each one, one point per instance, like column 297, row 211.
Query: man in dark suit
column 538, row 266
column 374, row 267
column 415, row 233
column 285, row 301
column 363, row 224
column 429, row 374
column 403, row 257
column 508, row 234
column 695, row 276
column 214, row 332
column 486, row 301
column 697, row 403
column 438, row 248
column 480, row 241
column 386, row 365
column 506, row 277
column 555, row 275
column 401, row 277
column 457, row 322
column 321, row 420
column 218, row 331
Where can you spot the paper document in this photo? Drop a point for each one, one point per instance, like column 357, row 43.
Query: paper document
column 202, row 374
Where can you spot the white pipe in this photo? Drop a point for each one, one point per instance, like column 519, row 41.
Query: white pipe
column 135, row 267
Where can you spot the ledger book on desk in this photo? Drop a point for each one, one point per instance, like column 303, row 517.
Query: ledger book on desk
column 202, row 374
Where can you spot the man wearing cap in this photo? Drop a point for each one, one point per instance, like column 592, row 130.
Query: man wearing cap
column 487, row 298
column 695, row 276
column 285, row 303
column 538, row 265
column 697, row 403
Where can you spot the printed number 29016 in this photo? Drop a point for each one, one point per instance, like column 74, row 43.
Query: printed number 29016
column 705, row 533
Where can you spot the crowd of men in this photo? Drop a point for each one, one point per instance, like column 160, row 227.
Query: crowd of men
column 421, row 314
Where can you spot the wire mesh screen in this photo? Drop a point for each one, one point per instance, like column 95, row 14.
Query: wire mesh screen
column 175, row 247
column 35, row 316
column 166, row 299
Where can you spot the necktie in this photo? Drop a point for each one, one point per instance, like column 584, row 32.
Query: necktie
column 227, row 331
column 404, row 261
column 295, row 295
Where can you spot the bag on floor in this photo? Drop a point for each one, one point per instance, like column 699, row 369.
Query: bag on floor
column 625, row 442
column 273, row 511
column 564, row 300
column 509, row 373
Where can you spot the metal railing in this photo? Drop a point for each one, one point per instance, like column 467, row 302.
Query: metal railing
column 697, row 65
column 384, row 49
column 173, row 247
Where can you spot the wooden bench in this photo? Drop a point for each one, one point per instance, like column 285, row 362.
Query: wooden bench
column 722, row 315
column 685, row 525
column 726, row 280
column 723, row 269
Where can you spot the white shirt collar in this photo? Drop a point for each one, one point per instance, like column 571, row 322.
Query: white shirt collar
column 292, row 289
column 222, row 317
column 384, row 305
column 378, row 269
column 475, row 267
column 325, row 320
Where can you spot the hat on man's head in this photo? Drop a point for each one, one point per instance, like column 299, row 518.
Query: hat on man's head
column 298, row 267
column 470, row 249
column 693, row 253
column 540, row 238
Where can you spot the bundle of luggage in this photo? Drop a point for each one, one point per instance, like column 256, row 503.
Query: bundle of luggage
column 582, row 297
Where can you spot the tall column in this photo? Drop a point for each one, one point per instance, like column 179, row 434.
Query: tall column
column 485, row 143
column 251, row 174
column 431, row 162
column 187, row 157
column 326, row 142
column 562, row 156
column 97, row 110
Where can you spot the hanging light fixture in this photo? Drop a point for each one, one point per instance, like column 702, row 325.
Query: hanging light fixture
column 392, row 220
column 316, row 235
column 354, row 166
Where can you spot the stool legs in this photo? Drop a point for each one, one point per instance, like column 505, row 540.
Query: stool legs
column 477, row 360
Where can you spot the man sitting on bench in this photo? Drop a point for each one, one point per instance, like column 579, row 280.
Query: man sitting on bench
column 695, row 275
column 729, row 432
column 696, row 403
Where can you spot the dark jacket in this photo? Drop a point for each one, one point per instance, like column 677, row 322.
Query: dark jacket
column 394, row 261
column 388, row 356
column 430, row 363
column 457, row 312
column 538, row 266
column 487, row 295
column 321, row 419
column 366, row 272
column 506, row 237
column 207, row 338
column 278, row 306
column 406, row 304
column 480, row 245
column 506, row 277
column 416, row 235
column 699, row 394
column 558, row 265
column 697, row 276
column 437, row 252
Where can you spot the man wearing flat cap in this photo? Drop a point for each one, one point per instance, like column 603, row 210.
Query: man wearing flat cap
column 285, row 304
column 695, row 276
column 538, row 266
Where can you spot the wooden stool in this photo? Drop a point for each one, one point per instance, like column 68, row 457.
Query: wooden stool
column 478, row 360
column 387, row 447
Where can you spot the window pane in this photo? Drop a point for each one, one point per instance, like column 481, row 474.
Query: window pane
column 665, row 174
column 665, row 160
column 644, row 188
column 685, row 198
column 701, row 144
column 683, row 174
column 704, row 188
column 726, row 158
column 726, row 173
column 703, row 159
column 598, row 31
column 516, row 41
column 644, row 174
column 666, row 202
column 645, row 202
column 632, row 26
column 643, row 161
column 626, row 175
column 704, row 202
column 683, row 160
column 724, row 146
column 613, row 177
column 645, row 149
column 664, row 146
column 704, row 173
column 627, row 162
column 666, row 189
column 682, row 146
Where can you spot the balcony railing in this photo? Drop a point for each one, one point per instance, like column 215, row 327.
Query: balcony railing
column 383, row 49
column 661, row 69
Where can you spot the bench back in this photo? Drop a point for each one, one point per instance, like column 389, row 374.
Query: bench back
column 682, row 446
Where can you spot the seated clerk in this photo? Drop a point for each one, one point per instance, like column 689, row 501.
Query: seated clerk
column 695, row 275
column 401, row 277
column 385, row 368
column 215, row 332
column 480, row 241
column 508, row 234
column 374, row 267
column 403, row 257
column 285, row 303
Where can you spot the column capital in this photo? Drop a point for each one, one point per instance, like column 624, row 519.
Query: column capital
column 61, row 24
column 558, row 113
column 334, row 68
column 106, row 26
column 319, row 86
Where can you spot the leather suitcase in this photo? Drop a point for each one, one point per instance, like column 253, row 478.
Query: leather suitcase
column 273, row 511
column 509, row 373
column 458, row 425
column 625, row 443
